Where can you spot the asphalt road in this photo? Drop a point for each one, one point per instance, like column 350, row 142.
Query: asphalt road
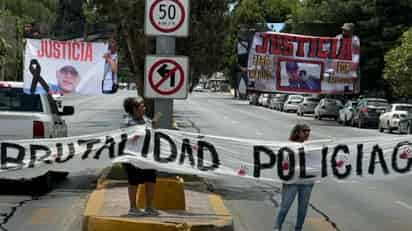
column 367, row 206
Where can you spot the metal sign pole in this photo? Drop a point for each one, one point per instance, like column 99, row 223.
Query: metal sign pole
column 165, row 45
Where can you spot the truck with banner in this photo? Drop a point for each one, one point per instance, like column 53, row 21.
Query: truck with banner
column 292, row 63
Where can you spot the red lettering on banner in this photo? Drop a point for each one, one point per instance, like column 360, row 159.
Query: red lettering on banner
column 263, row 48
column 69, row 44
column 345, row 51
column 288, row 45
column 56, row 47
column 89, row 53
column 333, row 48
column 77, row 51
column 48, row 50
column 323, row 54
column 40, row 53
column 301, row 45
column 276, row 44
column 82, row 51
column 313, row 47
column 63, row 44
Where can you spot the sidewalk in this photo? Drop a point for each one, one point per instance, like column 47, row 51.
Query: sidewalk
column 194, row 208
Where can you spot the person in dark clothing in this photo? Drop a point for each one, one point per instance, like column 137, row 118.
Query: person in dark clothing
column 135, row 108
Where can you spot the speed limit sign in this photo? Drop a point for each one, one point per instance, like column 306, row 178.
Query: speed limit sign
column 167, row 17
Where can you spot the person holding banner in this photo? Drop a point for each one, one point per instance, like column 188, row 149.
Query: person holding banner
column 347, row 32
column 135, row 108
column 300, row 133
column 109, row 84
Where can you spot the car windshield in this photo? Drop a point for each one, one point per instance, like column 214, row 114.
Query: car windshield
column 403, row 108
column 312, row 100
column 377, row 103
column 330, row 101
column 13, row 99
column 296, row 98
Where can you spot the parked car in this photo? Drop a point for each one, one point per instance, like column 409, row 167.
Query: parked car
column 253, row 98
column 25, row 116
column 392, row 116
column 198, row 88
column 307, row 106
column 328, row 108
column 368, row 111
column 292, row 102
column 263, row 99
column 277, row 101
column 346, row 113
column 405, row 124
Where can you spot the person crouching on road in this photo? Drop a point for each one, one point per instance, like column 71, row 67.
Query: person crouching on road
column 300, row 133
column 135, row 108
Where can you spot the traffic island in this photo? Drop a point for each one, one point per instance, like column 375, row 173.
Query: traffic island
column 181, row 206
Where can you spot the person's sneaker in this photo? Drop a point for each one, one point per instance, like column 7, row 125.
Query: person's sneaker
column 151, row 212
column 136, row 212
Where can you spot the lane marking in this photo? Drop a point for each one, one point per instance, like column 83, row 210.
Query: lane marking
column 403, row 204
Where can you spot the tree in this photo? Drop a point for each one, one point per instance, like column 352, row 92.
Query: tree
column 398, row 66
column 15, row 16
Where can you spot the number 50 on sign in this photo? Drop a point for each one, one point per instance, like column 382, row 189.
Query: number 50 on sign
column 167, row 17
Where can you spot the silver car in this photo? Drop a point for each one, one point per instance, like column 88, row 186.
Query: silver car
column 328, row 108
column 307, row 106
column 291, row 104
column 346, row 113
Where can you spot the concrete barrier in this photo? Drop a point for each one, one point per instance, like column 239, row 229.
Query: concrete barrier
column 165, row 189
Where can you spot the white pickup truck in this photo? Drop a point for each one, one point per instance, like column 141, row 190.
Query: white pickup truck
column 25, row 116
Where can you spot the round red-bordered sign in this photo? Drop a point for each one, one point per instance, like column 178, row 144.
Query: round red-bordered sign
column 167, row 30
column 156, row 86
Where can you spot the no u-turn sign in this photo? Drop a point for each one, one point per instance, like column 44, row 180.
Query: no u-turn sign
column 166, row 77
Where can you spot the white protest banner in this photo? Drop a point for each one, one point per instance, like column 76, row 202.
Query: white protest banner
column 212, row 156
column 65, row 67
column 293, row 63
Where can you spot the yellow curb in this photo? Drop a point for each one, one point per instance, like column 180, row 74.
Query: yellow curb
column 93, row 206
column 225, row 217
column 95, row 202
column 114, row 224
column 172, row 187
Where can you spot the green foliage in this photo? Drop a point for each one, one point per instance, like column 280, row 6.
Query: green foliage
column 33, row 11
column 398, row 66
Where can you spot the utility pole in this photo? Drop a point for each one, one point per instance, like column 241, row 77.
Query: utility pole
column 165, row 45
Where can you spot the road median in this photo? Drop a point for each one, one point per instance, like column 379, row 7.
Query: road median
column 182, row 206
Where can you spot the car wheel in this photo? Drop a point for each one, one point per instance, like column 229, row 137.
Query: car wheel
column 320, row 117
column 389, row 128
column 380, row 127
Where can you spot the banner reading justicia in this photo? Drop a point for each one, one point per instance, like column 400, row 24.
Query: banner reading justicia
column 292, row 63
column 69, row 67
column 211, row 156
